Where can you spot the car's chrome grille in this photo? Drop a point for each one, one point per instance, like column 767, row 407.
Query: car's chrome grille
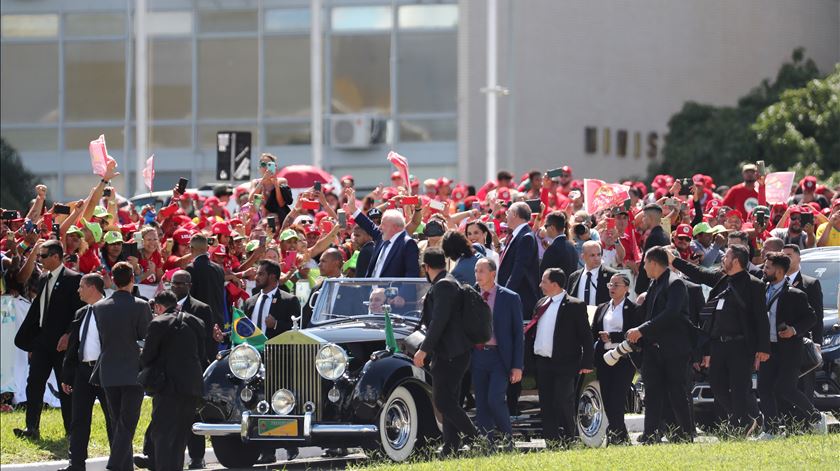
column 293, row 367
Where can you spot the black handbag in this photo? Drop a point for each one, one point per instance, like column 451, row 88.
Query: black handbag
column 811, row 357
column 153, row 377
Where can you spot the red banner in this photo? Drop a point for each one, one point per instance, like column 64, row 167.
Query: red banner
column 777, row 186
column 402, row 165
column 598, row 195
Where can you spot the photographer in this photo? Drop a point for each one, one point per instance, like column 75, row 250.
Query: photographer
column 611, row 322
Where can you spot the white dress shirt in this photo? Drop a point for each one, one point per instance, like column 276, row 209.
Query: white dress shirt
column 544, row 341
column 614, row 320
column 792, row 277
column 92, row 348
column 266, row 306
column 383, row 255
column 593, row 289
column 49, row 286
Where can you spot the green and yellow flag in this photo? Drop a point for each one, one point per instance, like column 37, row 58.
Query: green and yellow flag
column 244, row 331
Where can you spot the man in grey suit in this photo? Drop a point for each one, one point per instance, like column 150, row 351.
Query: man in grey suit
column 122, row 320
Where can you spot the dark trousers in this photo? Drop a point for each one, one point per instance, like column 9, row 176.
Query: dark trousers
column 40, row 365
column 490, row 382
column 615, row 382
column 195, row 443
column 664, row 376
column 172, row 419
column 556, row 383
column 447, row 374
column 777, row 379
column 83, row 398
column 124, row 405
column 730, row 377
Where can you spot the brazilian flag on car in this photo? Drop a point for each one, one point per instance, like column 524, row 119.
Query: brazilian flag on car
column 243, row 330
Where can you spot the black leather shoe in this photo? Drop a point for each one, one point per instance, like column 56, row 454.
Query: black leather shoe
column 26, row 433
column 72, row 468
column 292, row 453
column 267, row 457
column 197, row 464
column 144, row 462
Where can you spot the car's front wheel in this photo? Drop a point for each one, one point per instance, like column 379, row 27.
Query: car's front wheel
column 398, row 425
column 232, row 453
column 592, row 419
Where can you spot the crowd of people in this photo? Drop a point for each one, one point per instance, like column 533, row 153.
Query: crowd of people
column 528, row 245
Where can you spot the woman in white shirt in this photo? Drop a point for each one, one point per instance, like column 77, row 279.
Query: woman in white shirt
column 612, row 321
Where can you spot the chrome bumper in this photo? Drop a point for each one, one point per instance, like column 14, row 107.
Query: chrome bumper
column 309, row 429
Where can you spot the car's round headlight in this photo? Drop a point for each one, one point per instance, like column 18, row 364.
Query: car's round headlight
column 244, row 361
column 283, row 401
column 331, row 362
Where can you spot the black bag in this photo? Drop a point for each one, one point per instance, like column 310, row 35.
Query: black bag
column 152, row 377
column 476, row 316
column 811, row 357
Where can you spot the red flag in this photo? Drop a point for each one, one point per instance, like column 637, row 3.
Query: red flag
column 402, row 165
column 99, row 157
column 600, row 195
column 149, row 172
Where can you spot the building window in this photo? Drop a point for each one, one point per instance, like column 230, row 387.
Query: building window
column 428, row 72
column 287, row 19
column 591, row 140
column 428, row 130
column 361, row 73
column 29, row 83
column 227, row 78
column 621, row 143
column 23, row 140
column 170, row 137
column 94, row 74
column 287, row 85
column 288, row 134
column 79, row 138
column 362, row 18
column 94, row 24
column 29, row 26
column 428, row 16
column 227, row 21
column 170, row 78
column 165, row 23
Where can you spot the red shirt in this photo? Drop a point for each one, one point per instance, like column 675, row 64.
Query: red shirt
column 144, row 263
column 744, row 199
column 89, row 261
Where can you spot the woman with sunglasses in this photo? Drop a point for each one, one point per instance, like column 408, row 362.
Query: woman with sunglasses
column 275, row 195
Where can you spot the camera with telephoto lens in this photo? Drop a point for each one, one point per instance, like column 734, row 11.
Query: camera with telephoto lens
column 623, row 349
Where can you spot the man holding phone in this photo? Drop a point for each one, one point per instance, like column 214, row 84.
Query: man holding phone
column 800, row 230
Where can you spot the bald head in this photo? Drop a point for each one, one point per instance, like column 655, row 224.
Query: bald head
column 181, row 283
column 330, row 263
column 591, row 254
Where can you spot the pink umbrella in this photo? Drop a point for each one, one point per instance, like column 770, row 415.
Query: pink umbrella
column 304, row 176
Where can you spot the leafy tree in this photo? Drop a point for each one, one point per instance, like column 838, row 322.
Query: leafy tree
column 17, row 184
column 803, row 126
column 716, row 140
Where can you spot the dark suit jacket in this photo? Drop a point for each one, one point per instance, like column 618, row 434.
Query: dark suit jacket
column 631, row 318
column 560, row 254
column 403, row 258
column 507, row 327
column 71, row 357
column 122, row 320
column 208, row 284
column 666, row 317
column 208, row 318
column 656, row 238
column 64, row 302
column 178, row 348
column 793, row 309
column 518, row 270
column 603, row 292
column 363, row 262
column 283, row 307
column 573, row 347
column 445, row 335
column 812, row 288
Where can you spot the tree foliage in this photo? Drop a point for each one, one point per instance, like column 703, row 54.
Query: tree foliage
column 716, row 140
column 17, row 184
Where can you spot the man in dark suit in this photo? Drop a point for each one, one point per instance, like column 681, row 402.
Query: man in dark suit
column 449, row 347
column 208, row 278
column 812, row 288
column 560, row 337
column 738, row 331
column 45, row 334
column 656, row 237
column 395, row 254
column 560, row 253
column 590, row 282
column 612, row 321
column 498, row 362
column 122, row 320
column 175, row 344
column 519, row 262
column 667, row 341
column 363, row 242
column 790, row 317
column 82, row 353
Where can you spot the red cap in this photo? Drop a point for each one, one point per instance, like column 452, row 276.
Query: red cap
column 212, row 201
column 221, row 228
column 218, row 250
column 795, row 210
column 808, row 183
column 835, row 203
column 235, row 222
column 311, row 229
column 396, row 175
column 699, row 179
column 734, row 212
column 128, row 228
column 443, row 181
column 181, row 236
column 566, row 169
column 503, row 194
column 814, row 207
column 459, row 193
column 347, row 177
column 684, row 230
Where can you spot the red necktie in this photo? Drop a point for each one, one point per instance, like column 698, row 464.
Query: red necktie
column 540, row 311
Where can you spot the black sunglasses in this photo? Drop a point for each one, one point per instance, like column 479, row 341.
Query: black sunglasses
column 45, row 255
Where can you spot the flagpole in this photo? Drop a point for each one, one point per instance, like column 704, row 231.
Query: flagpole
column 316, row 90
column 140, row 91
column 492, row 86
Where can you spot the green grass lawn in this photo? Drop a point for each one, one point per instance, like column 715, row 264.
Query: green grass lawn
column 53, row 444
column 810, row 452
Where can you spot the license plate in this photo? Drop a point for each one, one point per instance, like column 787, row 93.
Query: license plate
column 277, row 427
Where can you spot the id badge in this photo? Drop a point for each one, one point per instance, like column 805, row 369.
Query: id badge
column 719, row 304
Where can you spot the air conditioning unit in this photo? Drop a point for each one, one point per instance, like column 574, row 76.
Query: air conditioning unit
column 356, row 131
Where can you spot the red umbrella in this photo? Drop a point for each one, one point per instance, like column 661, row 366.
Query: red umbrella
column 304, row 176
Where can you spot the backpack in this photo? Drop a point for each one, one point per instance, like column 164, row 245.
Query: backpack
column 476, row 316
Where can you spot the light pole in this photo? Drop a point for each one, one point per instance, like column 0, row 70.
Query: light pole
column 493, row 89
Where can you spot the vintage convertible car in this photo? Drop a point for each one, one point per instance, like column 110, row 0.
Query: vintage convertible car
column 336, row 385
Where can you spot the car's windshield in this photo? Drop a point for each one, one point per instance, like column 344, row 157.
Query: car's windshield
column 828, row 272
column 353, row 297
